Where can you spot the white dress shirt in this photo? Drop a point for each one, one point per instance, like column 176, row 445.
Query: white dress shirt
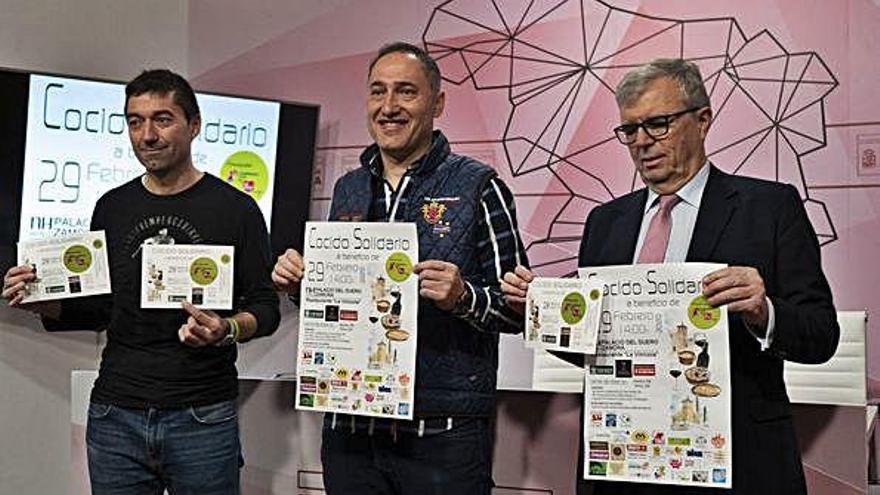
column 684, row 218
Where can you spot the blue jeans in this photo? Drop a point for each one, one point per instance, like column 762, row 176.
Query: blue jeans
column 146, row 451
column 398, row 461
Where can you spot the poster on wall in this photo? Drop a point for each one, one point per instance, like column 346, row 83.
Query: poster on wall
column 562, row 314
column 357, row 323
column 658, row 396
column 67, row 266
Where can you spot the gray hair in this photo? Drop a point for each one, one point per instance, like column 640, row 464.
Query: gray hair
column 685, row 73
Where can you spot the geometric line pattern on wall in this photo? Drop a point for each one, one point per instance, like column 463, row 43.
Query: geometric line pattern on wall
column 558, row 63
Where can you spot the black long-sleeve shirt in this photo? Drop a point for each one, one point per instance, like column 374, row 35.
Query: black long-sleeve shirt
column 144, row 363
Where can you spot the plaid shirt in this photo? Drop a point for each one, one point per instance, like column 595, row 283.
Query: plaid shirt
column 499, row 246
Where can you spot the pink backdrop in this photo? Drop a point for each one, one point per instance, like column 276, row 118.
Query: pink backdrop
column 793, row 84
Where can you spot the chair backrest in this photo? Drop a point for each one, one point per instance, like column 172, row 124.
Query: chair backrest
column 840, row 381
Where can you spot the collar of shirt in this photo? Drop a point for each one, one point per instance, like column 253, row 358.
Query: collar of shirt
column 377, row 168
column 691, row 193
column 684, row 217
column 387, row 203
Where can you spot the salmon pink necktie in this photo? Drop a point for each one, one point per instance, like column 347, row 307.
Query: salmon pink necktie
column 657, row 237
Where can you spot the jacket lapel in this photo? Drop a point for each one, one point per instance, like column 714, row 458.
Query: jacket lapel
column 716, row 208
column 621, row 243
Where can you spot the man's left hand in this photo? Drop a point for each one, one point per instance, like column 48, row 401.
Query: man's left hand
column 440, row 282
column 742, row 289
column 203, row 327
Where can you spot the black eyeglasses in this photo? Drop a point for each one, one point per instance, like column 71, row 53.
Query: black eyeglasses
column 655, row 127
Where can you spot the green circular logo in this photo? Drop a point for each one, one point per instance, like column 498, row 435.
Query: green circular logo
column 225, row 259
column 97, row 244
column 702, row 314
column 77, row 258
column 247, row 172
column 594, row 294
column 203, row 271
column 398, row 266
column 574, row 308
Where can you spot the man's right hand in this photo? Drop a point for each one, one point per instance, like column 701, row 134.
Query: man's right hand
column 15, row 289
column 15, row 283
column 515, row 286
column 288, row 271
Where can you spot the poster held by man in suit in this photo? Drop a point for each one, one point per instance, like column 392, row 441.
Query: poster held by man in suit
column 657, row 394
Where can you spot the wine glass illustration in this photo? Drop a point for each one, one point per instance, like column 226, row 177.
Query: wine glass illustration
column 675, row 373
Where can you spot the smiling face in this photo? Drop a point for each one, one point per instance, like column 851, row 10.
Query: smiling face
column 401, row 108
column 668, row 163
column 159, row 132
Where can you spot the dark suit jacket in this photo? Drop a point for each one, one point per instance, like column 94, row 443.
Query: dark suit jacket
column 743, row 222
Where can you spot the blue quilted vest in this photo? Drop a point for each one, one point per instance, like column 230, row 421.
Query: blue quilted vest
column 456, row 363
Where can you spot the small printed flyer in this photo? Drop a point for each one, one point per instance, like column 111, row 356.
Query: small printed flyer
column 66, row 267
column 357, row 320
column 198, row 273
column 657, row 399
column 562, row 314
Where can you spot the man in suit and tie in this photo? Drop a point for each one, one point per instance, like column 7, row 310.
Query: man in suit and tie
column 778, row 299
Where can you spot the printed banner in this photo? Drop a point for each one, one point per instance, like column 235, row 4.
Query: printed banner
column 68, row 266
column 78, row 148
column 200, row 274
column 657, row 398
column 358, row 313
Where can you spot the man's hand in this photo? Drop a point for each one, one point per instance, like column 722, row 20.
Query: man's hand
column 515, row 286
column 15, row 283
column 288, row 271
column 742, row 289
column 440, row 282
column 15, row 289
column 203, row 327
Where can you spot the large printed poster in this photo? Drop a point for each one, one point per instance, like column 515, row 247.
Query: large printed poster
column 358, row 313
column 657, row 397
column 78, row 149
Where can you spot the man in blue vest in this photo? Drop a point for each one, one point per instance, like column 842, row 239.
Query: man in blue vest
column 468, row 239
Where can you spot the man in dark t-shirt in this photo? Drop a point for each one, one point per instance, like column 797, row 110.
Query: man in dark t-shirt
column 163, row 413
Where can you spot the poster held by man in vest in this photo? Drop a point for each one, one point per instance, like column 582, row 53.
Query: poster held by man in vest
column 562, row 314
column 658, row 395
column 357, row 322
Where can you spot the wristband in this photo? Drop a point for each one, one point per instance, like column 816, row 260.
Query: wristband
column 232, row 335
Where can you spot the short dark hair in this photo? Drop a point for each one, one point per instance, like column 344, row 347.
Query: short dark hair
column 429, row 65
column 164, row 81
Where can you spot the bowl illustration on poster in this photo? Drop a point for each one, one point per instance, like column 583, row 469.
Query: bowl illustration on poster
column 706, row 390
column 397, row 335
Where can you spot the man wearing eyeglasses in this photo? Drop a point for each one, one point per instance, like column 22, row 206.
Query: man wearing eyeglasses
column 777, row 296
